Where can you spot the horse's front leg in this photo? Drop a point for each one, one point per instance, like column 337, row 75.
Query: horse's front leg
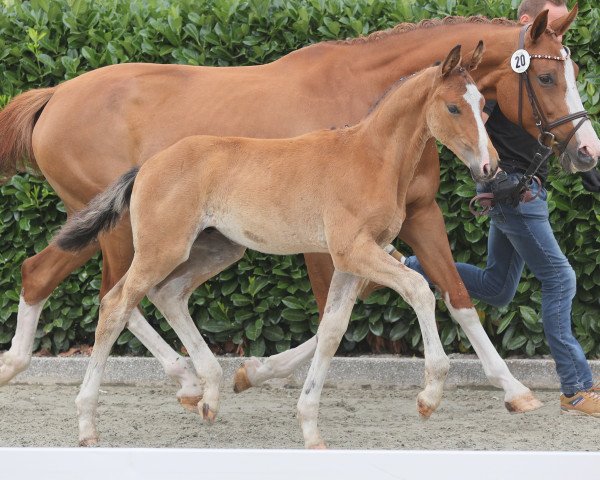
column 341, row 298
column 425, row 232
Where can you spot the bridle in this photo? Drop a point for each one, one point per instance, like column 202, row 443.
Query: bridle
column 545, row 127
column 513, row 191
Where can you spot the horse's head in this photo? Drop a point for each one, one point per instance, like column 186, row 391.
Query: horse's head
column 544, row 96
column 454, row 114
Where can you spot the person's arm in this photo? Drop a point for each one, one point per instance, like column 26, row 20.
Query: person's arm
column 591, row 180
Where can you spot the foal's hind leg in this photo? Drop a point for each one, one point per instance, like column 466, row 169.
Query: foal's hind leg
column 117, row 252
column 40, row 275
column 210, row 254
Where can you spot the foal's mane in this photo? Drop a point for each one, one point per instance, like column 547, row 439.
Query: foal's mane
column 422, row 25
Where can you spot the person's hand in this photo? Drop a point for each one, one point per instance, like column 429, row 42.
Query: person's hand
column 591, row 180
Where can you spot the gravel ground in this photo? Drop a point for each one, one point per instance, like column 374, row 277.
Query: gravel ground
column 357, row 418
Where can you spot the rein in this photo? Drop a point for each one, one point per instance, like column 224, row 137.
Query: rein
column 513, row 192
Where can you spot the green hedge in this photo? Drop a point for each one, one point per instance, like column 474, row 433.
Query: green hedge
column 263, row 304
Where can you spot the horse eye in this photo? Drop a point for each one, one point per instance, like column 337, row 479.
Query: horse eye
column 546, row 79
column 453, row 109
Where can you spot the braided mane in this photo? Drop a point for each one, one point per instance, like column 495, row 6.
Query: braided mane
column 424, row 24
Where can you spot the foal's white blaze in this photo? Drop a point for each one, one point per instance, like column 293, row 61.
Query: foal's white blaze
column 585, row 135
column 473, row 97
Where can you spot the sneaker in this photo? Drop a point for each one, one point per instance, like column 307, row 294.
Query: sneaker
column 586, row 402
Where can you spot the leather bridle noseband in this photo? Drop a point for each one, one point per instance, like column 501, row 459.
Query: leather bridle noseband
column 546, row 138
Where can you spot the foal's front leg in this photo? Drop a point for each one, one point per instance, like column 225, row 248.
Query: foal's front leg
column 342, row 295
column 371, row 262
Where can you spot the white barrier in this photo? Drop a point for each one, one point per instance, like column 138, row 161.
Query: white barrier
column 165, row 464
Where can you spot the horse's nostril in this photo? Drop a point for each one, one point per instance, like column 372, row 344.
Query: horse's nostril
column 486, row 169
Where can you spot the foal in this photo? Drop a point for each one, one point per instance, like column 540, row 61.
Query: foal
column 198, row 204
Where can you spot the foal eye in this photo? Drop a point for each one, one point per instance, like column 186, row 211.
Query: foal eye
column 546, row 79
column 453, row 109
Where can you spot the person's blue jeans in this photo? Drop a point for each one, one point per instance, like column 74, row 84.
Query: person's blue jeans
column 523, row 236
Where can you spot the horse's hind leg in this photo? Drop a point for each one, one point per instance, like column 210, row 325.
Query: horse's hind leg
column 117, row 252
column 40, row 275
column 253, row 372
column 210, row 254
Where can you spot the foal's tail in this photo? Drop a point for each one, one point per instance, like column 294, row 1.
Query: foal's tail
column 17, row 120
column 101, row 214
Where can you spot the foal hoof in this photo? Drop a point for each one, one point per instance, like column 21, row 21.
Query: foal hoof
column 88, row 442
column 241, row 381
column 424, row 408
column 318, row 446
column 190, row 403
column 208, row 415
column 523, row 403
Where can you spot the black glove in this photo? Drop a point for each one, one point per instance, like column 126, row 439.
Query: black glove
column 591, row 180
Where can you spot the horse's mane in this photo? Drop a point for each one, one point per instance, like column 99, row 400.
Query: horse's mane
column 424, row 24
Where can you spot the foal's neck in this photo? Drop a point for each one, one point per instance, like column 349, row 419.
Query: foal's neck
column 397, row 125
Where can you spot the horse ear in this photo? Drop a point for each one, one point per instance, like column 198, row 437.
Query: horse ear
column 476, row 56
column 539, row 26
column 562, row 24
column 452, row 60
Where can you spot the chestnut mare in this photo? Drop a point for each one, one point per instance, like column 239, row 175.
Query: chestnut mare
column 196, row 206
column 85, row 132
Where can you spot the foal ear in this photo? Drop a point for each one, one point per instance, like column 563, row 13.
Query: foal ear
column 539, row 26
column 562, row 24
column 476, row 56
column 452, row 60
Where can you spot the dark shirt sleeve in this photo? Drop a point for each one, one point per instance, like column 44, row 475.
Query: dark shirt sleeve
column 489, row 106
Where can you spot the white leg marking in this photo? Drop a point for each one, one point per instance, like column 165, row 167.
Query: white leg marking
column 494, row 367
column 171, row 304
column 176, row 367
column 280, row 365
column 18, row 357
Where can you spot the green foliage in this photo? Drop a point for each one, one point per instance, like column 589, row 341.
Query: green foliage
column 264, row 303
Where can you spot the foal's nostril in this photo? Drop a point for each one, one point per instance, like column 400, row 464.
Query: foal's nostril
column 486, row 169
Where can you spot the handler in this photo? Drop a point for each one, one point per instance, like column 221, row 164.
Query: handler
column 523, row 235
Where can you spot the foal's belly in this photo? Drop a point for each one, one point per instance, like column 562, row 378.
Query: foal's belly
column 271, row 236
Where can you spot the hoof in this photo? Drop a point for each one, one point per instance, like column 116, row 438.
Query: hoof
column 208, row 415
column 88, row 442
column 241, row 381
column 190, row 403
column 523, row 403
column 318, row 446
column 9, row 369
column 424, row 408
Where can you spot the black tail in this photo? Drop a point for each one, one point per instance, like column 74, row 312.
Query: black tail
column 101, row 214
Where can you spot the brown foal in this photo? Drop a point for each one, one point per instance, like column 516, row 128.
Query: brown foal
column 85, row 132
column 342, row 192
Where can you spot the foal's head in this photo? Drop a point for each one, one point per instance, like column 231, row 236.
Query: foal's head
column 454, row 116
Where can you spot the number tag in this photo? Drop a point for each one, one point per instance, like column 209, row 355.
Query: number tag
column 520, row 61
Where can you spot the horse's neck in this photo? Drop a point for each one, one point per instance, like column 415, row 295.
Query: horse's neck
column 397, row 126
column 373, row 66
